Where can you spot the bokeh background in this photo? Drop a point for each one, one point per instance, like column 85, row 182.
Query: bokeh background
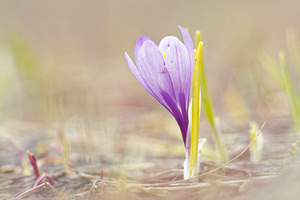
column 62, row 70
column 65, row 59
column 76, row 54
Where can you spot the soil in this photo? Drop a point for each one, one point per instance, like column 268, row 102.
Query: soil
column 117, row 167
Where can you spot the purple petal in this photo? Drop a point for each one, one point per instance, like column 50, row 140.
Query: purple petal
column 188, row 42
column 165, row 71
column 178, row 64
column 166, row 42
column 136, row 72
column 184, row 103
column 139, row 43
column 152, row 67
column 182, row 120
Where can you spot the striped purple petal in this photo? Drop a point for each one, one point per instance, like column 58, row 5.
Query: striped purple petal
column 165, row 71
column 139, row 43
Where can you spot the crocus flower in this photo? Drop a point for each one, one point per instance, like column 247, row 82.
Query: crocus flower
column 165, row 71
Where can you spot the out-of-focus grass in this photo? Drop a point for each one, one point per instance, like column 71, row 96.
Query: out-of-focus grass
column 31, row 74
column 287, row 75
column 24, row 85
column 34, row 87
column 290, row 89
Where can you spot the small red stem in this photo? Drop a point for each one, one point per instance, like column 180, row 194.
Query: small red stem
column 33, row 164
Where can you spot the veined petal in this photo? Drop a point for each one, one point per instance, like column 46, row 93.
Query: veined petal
column 135, row 71
column 181, row 120
column 178, row 64
column 139, row 43
column 152, row 68
column 165, row 71
column 183, row 98
column 188, row 42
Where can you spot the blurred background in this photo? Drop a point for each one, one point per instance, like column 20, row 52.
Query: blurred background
column 62, row 66
column 65, row 59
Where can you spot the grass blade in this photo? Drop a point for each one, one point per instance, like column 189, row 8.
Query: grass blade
column 195, row 110
column 290, row 90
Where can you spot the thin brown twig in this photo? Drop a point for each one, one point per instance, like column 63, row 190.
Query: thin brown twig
column 27, row 192
column 43, row 177
column 236, row 157
column 92, row 189
column 51, row 187
column 211, row 171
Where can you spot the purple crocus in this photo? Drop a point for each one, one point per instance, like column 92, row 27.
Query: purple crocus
column 165, row 71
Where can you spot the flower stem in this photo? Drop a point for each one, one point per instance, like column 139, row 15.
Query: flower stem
column 186, row 165
column 195, row 111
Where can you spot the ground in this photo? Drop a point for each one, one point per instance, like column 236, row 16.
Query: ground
column 130, row 174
